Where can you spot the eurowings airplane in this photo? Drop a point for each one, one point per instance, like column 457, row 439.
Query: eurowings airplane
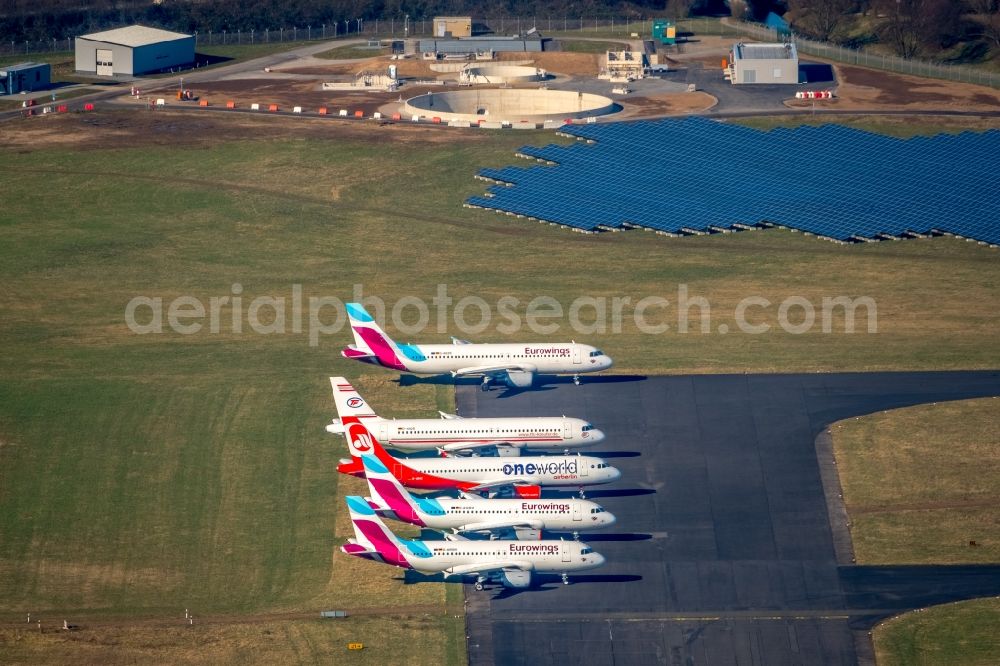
column 452, row 434
column 510, row 562
column 525, row 476
column 515, row 364
column 526, row 518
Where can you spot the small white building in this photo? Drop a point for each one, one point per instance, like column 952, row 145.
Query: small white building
column 763, row 63
column 133, row 50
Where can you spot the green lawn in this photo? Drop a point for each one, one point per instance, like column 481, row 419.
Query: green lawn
column 353, row 51
column 921, row 483
column 961, row 634
column 144, row 474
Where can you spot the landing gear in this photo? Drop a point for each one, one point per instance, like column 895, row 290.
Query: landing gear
column 565, row 578
column 479, row 583
column 485, row 386
column 582, row 494
column 576, row 536
column 576, row 379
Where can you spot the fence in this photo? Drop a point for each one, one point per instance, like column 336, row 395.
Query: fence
column 740, row 29
column 609, row 27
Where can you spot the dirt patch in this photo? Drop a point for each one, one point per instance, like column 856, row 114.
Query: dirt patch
column 861, row 88
column 666, row 104
column 130, row 128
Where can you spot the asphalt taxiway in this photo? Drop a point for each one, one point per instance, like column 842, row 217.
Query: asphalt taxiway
column 726, row 548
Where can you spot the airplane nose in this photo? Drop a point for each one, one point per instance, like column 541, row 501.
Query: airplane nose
column 596, row 436
column 608, row 362
column 615, row 473
column 599, row 560
column 609, row 518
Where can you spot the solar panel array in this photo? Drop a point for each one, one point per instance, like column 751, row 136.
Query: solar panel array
column 697, row 175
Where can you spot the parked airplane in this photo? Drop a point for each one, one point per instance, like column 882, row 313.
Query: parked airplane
column 526, row 518
column 515, row 364
column 479, row 473
column 453, row 434
column 510, row 562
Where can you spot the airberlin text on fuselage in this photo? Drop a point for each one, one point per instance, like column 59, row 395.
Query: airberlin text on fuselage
column 555, row 469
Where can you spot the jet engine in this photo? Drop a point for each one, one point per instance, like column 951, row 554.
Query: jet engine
column 517, row 579
column 519, row 378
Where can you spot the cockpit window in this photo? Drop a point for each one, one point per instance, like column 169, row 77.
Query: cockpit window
column 588, row 427
column 586, row 551
column 596, row 352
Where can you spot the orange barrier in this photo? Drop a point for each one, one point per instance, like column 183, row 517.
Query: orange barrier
column 62, row 108
column 203, row 102
column 359, row 114
column 88, row 107
column 436, row 120
column 322, row 110
column 725, row 64
column 230, row 104
column 273, row 107
column 397, row 116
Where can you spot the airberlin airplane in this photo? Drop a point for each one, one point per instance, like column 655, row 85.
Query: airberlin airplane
column 514, row 364
column 525, row 476
column 452, row 434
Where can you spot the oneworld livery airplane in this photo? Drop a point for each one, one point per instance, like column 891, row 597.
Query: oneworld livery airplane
column 510, row 562
column 525, row 476
column 514, row 364
column 525, row 518
column 455, row 435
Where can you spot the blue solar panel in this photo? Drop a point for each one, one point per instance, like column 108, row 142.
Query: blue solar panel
column 697, row 175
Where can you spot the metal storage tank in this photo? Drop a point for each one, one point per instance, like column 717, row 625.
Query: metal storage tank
column 133, row 50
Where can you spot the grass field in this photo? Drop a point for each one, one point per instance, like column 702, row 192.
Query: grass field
column 353, row 51
column 144, row 474
column 961, row 634
column 920, row 483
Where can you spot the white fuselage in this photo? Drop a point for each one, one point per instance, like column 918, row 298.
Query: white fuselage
column 542, row 514
column 535, row 470
column 547, row 556
column 469, row 433
column 555, row 358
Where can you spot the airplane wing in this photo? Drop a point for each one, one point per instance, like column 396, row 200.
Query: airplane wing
column 487, row 567
column 462, row 446
column 456, row 341
column 493, row 369
column 446, row 415
column 500, row 525
column 499, row 483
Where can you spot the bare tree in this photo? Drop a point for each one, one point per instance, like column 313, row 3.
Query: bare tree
column 913, row 27
column 820, row 18
column 678, row 9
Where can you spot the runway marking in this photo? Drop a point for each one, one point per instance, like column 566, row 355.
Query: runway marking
column 837, row 614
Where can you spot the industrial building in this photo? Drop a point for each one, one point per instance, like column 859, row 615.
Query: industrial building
column 24, row 77
column 132, row 51
column 763, row 63
column 622, row 66
column 452, row 26
column 532, row 41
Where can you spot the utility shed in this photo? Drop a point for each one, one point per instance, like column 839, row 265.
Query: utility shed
column 24, row 77
column 764, row 63
column 133, row 50
column 452, row 26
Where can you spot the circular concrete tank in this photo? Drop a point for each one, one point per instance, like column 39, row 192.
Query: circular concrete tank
column 509, row 104
column 478, row 74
